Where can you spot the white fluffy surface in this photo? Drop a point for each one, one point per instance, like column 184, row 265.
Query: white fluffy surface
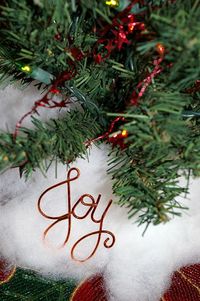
column 136, row 268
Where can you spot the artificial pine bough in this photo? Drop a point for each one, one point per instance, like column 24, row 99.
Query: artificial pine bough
column 132, row 68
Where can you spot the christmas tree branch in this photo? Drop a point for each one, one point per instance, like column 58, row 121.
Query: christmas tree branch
column 61, row 139
column 141, row 62
column 161, row 146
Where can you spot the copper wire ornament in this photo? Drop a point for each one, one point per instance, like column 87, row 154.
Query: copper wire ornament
column 108, row 242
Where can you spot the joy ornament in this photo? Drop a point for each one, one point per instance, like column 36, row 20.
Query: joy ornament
column 91, row 204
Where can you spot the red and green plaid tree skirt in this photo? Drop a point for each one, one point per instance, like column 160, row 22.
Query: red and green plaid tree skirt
column 18, row 285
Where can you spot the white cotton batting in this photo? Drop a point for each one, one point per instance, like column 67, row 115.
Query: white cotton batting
column 136, row 267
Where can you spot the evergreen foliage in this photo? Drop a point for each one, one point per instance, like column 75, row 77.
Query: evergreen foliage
column 59, row 139
column 163, row 128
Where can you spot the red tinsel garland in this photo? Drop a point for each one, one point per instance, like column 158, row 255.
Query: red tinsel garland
column 123, row 24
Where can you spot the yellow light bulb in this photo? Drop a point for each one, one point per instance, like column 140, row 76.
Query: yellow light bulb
column 26, row 68
column 124, row 133
column 112, row 3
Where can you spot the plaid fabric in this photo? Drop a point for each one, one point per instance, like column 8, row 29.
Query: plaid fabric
column 6, row 272
column 92, row 289
column 185, row 286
